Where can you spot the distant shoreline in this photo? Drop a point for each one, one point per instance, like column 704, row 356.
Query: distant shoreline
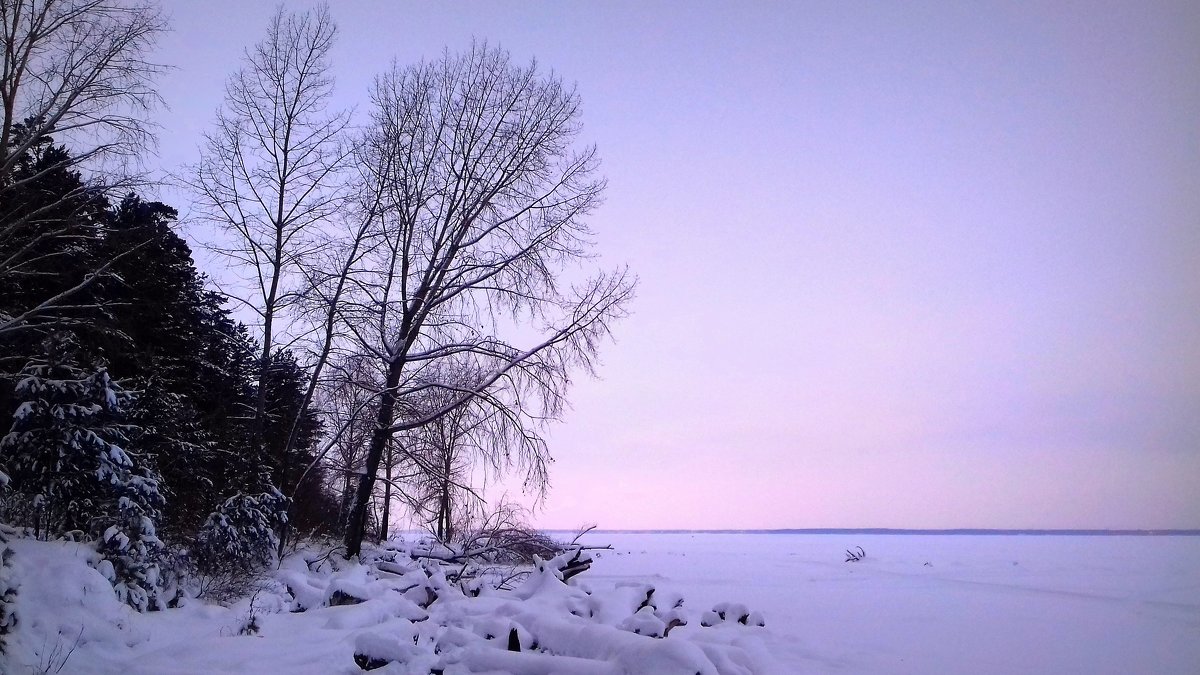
column 901, row 531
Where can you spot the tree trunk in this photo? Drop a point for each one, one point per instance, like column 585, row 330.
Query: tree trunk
column 387, row 495
column 379, row 440
column 264, row 364
column 347, row 503
column 444, row 499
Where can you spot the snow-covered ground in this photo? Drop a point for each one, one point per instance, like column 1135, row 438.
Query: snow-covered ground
column 914, row 604
column 942, row 603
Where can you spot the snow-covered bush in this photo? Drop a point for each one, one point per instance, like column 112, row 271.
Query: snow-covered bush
column 8, row 591
column 240, row 535
column 730, row 612
column 391, row 609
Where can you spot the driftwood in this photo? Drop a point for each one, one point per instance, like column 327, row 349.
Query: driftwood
column 576, row 564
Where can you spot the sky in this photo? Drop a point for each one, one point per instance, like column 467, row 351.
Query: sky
column 923, row 265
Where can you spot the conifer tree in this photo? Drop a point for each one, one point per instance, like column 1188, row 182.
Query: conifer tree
column 172, row 340
column 8, row 586
column 52, row 250
column 67, row 449
column 313, row 507
column 189, row 375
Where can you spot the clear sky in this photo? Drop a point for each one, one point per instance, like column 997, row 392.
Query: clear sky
column 902, row 264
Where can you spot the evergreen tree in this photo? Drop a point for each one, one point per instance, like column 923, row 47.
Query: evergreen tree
column 50, row 221
column 68, row 454
column 173, row 340
column 49, row 230
column 8, row 587
column 240, row 533
column 67, row 448
column 188, row 374
column 313, row 507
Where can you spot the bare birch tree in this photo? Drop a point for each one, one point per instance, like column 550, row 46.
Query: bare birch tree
column 482, row 215
column 269, row 173
column 77, row 70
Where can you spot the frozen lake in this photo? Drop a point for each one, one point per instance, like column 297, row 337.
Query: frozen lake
column 940, row 603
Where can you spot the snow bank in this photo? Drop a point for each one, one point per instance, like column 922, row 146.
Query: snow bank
column 389, row 614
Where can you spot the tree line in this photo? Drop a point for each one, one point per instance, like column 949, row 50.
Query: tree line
column 417, row 278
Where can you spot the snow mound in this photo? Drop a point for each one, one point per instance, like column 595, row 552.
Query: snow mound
column 65, row 602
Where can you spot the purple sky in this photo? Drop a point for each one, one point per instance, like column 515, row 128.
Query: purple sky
column 902, row 264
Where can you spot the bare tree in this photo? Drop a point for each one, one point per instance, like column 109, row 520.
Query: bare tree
column 268, row 176
column 76, row 69
column 483, row 200
column 481, row 436
column 346, row 403
column 327, row 277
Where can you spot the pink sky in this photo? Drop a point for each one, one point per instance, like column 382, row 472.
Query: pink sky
column 902, row 264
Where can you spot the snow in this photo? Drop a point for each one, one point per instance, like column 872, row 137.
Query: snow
column 983, row 604
column 913, row 604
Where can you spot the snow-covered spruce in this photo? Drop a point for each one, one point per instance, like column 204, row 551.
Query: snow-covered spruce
column 133, row 557
column 240, row 534
column 70, row 469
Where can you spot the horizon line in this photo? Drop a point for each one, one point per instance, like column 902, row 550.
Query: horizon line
column 900, row 530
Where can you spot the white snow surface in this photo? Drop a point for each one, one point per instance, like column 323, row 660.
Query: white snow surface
column 983, row 603
column 914, row 604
